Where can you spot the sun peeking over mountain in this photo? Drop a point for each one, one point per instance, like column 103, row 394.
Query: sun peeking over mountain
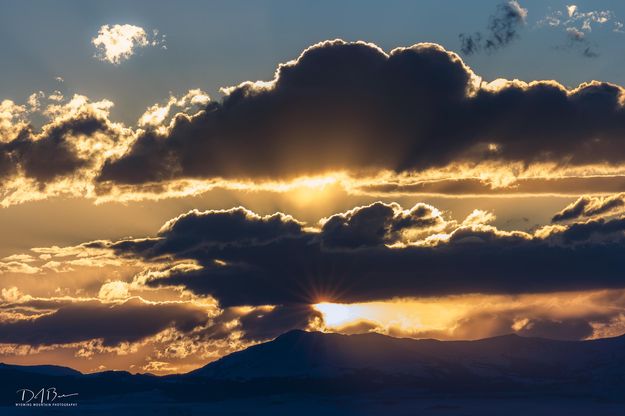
column 208, row 188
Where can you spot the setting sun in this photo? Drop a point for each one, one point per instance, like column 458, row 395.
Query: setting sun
column 220, row 203
column 335, row 314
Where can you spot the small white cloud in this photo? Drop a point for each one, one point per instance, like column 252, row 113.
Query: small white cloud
column 518, row 9
column 572, row 17
column 571, row 9
column 116, row 43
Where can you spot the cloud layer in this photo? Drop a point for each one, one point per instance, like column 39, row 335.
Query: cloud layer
column 376, row 252
column 355, row 108
column 211, row 282
column 414, row 119
column 130, row 321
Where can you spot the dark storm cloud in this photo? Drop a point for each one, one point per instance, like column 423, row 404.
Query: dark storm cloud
column 590, row 206
column 236, row 225
column 298, row 268
column 130, row 321
column 50, row 155
column 349, row 106
column 328, row 110
column 376, row 224
column 503, row 28
column 599, row 230
column 196, row 230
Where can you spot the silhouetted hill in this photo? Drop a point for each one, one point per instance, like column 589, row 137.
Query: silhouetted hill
column 331, row 372
column 50, row 370
column 508, row 358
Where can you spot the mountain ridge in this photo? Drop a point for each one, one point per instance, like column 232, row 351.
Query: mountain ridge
column 315, row 354
column 359, row 370
column 297, row 334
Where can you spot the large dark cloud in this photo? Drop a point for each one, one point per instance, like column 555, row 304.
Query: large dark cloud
column 376, row 224
column 130, row 321
column 300, row 268
column 350, row 106
column 329, row 110
column 237, row 225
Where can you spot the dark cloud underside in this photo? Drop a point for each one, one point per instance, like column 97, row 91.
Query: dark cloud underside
column 347, row 260
column 350, row 106
column 131, row 321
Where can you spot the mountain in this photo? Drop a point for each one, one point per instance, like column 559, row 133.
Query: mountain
column 50, row 370
column 312, row 372
column 511, row 358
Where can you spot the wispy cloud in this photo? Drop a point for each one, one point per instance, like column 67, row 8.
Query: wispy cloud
column 502, row 29
column 117, row 43
column 577, row 25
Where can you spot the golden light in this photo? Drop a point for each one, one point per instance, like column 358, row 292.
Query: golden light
column 306, row 191
column 450, row 317
column 335, row 314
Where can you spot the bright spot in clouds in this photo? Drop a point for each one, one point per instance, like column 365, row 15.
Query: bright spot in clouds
column 114, row 290
column 335, row 313
column 116, row 43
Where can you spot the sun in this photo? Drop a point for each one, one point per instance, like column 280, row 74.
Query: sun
column 335, row 314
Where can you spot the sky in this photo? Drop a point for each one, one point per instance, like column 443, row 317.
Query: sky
column 181, row 181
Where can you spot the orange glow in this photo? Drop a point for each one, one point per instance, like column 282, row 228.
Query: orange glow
column 335, row 314
column 458, row 317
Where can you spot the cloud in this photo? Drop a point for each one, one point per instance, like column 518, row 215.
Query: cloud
column 157, row 115
column 117, row 43
column 261, row 324
column 415, row 120
column 130, row 321
column 233, row 226
column 578, row 25
column 590, row 206
column 59, row 148
column 114, row 290
column 377, row 224
column 577, row 38
column 560, row 315
column 503, row 27
column 329, row 109
column 64, row 154
column 487, row 324
column 359, row 258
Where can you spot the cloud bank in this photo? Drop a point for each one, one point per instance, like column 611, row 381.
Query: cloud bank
column 414, row 117
column 375, row 252
column 356, row 108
